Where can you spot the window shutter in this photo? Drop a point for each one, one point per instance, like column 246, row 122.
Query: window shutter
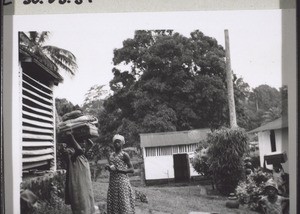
column 37, row 124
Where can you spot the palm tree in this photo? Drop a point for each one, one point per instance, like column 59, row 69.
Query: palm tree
column 34, row 42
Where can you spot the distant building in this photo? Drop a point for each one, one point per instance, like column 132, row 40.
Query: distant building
column 273, row 140
column 167, row 154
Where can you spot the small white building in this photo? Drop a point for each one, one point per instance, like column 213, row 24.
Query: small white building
column 272, row 140
column 167, row 155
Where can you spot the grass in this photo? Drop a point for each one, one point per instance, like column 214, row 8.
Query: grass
column 169, row 198
column 174, row 199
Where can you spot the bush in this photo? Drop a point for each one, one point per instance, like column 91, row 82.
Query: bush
column 255, row 160
column 200, row 160
column 250, row 190
column 226, row 151
column 50, row 190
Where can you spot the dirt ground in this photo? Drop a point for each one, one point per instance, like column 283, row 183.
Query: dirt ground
column 175, row 199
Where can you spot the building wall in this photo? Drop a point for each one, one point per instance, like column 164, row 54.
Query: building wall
column 159, row 167
column 285, row 147
column 162, row 167
column 281, row 138
column 11, row 124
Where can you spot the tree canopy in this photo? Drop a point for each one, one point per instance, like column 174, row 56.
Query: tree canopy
column 164, row 81
column 94, row 99
column 265, row 104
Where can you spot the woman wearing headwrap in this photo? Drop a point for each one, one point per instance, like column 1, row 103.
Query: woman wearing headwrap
column 120, row 196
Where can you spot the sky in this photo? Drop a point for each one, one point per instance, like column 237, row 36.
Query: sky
column 255, row 42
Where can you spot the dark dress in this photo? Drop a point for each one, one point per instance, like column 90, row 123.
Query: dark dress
column 79, row 191
column 120, row 196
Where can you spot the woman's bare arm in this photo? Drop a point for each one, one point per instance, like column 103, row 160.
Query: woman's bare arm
column 130, row 168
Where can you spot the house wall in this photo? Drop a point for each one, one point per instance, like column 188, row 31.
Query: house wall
column 162, row 167
column 285, row 147
column 281, row 138
column 11, row 122
column 159, row 167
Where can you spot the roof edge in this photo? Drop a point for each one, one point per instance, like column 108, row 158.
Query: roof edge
column 162, row 133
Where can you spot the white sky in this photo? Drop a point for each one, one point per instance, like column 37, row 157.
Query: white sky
column 255, row 41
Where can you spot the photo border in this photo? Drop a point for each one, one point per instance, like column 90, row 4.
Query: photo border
column 16, row 8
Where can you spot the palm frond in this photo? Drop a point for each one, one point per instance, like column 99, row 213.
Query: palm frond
column 33, row 36
column 43, row 37
column 63, row 66
column 64, row 58
column 33, row 42
column 25, row 41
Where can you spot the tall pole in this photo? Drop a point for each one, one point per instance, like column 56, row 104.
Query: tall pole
column 232, row 114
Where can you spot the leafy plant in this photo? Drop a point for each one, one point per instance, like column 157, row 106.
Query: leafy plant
column 50, row 191
column 226, row 151
column 200, row 160
column 250, row 190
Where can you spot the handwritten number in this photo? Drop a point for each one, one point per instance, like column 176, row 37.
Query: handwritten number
column 52, row 1
column 27, row 2
column 7, row 2
column 78, row 1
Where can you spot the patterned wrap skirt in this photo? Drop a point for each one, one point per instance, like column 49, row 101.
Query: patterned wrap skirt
column 120, row 196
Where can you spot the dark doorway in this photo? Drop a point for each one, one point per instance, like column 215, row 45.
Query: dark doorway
column 181, row 167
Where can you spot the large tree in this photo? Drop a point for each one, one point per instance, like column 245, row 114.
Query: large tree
column 264, row 104
column 94, row 99
column 164, row 81
column 265, row 97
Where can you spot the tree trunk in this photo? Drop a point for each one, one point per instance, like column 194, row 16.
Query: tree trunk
column 232, row 113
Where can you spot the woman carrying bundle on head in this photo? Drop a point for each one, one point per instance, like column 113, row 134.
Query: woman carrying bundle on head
column 79, row 191
column 120, row 196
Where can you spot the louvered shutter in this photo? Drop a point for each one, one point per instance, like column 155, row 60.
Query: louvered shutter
column 38, row 149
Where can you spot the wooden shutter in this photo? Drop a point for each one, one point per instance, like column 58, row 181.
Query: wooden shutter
column 37, row 124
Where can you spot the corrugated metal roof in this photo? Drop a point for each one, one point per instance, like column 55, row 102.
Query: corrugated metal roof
column 173, row 138
column 275, row 124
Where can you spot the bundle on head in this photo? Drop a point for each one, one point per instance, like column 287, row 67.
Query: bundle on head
column 82, row 126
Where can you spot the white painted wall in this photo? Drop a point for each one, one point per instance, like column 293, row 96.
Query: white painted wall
column 281, row 138
column 159, row 167
column 11, row 118
column 285, row 147
column 162, row 167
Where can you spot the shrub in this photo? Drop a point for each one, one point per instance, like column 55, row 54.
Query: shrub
column 255, row 160
column 60, row 162
column 200, row 160
column 49, row 189
column 250, row 190
column 226, row 151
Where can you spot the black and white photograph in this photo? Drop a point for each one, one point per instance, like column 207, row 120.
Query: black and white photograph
column 157, row 112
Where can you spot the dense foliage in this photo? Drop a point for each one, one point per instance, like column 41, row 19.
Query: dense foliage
column 250, row 190
column 50, row 191
column 264, row 104
column 227, row 148
column 164, row 81
column 200, row 160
